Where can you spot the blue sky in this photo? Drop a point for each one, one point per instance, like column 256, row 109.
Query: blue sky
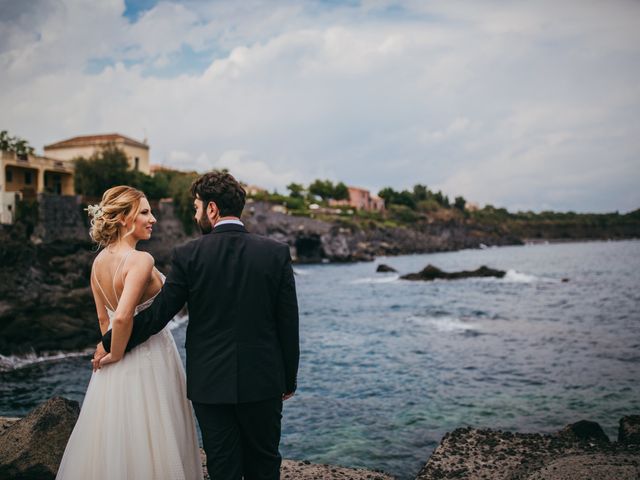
column 526, row 105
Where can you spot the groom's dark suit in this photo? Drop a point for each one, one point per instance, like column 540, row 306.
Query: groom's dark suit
column 242, row 343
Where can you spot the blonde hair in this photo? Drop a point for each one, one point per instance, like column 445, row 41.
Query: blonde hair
column 118, row 204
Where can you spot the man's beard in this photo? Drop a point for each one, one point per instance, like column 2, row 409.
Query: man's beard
column 205, row 225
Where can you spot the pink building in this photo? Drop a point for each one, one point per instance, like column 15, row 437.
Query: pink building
column 361, row 199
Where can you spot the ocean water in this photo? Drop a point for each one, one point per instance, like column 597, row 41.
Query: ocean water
column 388, row 366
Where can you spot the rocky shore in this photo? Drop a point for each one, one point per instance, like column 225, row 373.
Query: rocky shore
column 32, row 447
column 46, row 304
column 313, row 241
column 578, row 451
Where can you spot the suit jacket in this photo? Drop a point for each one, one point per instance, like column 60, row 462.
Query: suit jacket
column 242, row 337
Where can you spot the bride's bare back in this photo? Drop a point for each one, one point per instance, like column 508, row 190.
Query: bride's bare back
column 110, row 272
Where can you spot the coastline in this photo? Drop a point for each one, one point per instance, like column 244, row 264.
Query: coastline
column 32, row 447
column 552, row 241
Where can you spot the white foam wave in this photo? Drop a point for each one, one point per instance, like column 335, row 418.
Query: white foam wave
column 14, row 362
column 300, row 272
column 442, row 323
column 519, row 277
column 381, row 279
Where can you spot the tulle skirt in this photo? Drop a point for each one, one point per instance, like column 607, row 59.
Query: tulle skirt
column 136, row 422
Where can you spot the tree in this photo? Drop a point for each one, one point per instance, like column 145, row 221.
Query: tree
column 295, row 190
column 15, row 144
column 5, row 141
column 341, row 192
column 420, row 193
column 322, row 188
column 442, row 199
column 391, row 197
column 101, row 171
column 155, row 187
column 459, row 203
column 388, row 194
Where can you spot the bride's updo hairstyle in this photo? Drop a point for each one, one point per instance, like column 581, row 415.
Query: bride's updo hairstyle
column 118, row 205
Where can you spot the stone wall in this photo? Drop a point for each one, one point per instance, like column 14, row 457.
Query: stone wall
column 60, row 217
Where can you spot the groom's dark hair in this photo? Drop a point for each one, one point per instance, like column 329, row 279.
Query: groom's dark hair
column 220, row 187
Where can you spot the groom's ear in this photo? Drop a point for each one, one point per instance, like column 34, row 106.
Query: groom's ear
column 212, row 211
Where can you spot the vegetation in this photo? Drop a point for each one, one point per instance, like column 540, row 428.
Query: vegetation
column 15, row 144
column 110, row 167
column 325, row 189
column 420, row 199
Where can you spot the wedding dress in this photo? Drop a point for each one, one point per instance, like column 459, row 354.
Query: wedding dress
column 136, row 422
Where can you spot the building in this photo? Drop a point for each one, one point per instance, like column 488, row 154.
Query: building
column 361, row 199
column 24, row 177
column 253, row 190
column 86, row 145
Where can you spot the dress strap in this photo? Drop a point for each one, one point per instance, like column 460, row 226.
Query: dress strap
column 104, row 295
column 115, row 275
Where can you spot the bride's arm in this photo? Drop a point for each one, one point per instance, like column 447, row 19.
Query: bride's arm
column 101, row 309
column 135, row 282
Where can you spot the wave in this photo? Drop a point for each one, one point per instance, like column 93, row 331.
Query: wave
column 520, row 277
column 300, row 272
column 380, row 279
column 442, row 323
column 14, row 362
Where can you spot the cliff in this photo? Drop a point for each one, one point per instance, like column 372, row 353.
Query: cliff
column 46, row 303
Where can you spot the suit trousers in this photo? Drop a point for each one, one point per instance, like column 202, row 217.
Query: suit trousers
column 241, row 440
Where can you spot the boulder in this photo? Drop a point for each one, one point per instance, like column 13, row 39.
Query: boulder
column 584, row 431
column 31, row 448
column 305, row 470
column 430, row 272
column 580, row 450
column 629, row 431
column 382, row 268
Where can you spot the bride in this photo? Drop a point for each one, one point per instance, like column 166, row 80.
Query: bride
column 135, row 421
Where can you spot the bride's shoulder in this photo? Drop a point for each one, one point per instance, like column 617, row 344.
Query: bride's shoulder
column 142, row 259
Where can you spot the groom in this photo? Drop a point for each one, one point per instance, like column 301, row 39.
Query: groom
column 242, row 336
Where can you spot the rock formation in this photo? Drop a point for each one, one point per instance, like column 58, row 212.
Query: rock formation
column 430, row 272
column 46, row 303
column 382, row 268
column 579, row 451
column 629, row 431
column 31, row 448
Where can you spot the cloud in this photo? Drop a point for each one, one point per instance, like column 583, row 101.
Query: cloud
column 520, row 105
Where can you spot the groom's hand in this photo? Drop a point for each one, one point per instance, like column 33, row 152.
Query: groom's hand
column 99, row 354
column 287, row 396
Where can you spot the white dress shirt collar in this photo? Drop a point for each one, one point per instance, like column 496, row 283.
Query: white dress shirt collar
column 232, row 221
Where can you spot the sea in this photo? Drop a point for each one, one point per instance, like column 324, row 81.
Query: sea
column 388, row 366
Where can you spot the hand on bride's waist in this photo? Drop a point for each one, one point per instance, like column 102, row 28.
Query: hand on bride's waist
column 102, row 358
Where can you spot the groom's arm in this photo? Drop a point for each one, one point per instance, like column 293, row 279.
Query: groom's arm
column 166, row 305
column 287, row 321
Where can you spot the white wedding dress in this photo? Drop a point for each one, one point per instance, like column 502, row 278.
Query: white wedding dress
column 136, row 422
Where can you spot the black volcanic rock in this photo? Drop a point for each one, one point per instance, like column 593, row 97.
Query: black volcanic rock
column 575, row 453
column 382, row 268
column 430, row 272
column 31, row 448
column 629, row 431
column 585, row 431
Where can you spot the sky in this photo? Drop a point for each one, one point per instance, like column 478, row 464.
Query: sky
column 527, row 105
